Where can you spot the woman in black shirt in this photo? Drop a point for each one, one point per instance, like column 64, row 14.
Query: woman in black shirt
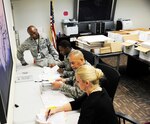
column 96, row 106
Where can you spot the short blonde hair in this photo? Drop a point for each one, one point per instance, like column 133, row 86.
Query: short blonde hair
column 89, row 73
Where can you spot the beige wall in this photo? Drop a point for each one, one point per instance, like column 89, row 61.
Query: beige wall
column 136, row 10
column 36, row 12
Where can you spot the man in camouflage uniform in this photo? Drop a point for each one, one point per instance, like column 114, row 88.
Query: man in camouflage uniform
column 40, row 47
column 76, row 59
column 65, row 69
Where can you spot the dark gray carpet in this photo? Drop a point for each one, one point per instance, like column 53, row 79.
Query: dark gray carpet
column 133, row 97
column 133, row 93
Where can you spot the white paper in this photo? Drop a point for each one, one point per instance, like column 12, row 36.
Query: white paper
column 24, row 77
column 58, row 118
column 54, row 98
column 55, row 68
column 48, row 75
column 94, row 38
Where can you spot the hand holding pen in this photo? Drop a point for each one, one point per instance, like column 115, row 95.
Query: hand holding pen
column 51, row 110
column 48, row 114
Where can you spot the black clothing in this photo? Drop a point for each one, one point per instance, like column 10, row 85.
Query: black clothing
column 96, row 108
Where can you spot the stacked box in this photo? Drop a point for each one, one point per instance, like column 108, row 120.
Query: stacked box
column 144, row 49
column 129, row 47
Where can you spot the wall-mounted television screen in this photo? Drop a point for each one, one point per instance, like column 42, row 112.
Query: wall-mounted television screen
column 3, row 118
column 6, row 62
column 95, row 10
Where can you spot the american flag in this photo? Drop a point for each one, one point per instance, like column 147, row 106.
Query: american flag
column 52, row 26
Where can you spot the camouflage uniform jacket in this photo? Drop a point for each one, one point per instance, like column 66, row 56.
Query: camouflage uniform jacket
column 43, row 48
column 72, row 91
column 65, row 65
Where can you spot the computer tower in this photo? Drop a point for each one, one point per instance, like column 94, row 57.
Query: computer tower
column 84, row 28
column 96, row 28
column 107, row 26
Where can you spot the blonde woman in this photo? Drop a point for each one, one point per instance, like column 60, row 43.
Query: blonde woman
column 96, row 106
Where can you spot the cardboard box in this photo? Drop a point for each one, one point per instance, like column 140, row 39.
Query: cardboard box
column 114, row 46
column 129, row 47
column 144, row 36
column 131, row 37
column 105, row 50
column 123, row 35
column 101, row 50
column 144, row 51
column 94, row 39
column 136, row 29
column 145, row 56
column 117, row 35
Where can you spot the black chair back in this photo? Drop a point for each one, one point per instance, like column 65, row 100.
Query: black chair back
column 112, row 79
column 89, row 56
column 110, row 83
column 125, row 119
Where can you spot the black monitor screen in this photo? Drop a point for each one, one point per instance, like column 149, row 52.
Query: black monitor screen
column 6, row 61
column 3, row 118
column 93, row 10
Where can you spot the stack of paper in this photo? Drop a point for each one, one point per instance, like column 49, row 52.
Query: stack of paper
column 94, row 39
column 92, row 43
column 49, row 74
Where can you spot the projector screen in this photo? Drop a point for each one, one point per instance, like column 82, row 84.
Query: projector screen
column 6, row 62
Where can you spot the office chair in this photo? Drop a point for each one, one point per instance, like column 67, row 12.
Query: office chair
column 89, row 56
column 125, row 119
column 110, row 83
column 111, row 80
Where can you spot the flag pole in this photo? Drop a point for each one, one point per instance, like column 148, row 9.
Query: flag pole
column 52, row 25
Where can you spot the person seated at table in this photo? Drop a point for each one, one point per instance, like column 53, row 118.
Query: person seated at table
column 95, row 106
column 40, row 47
column 65, row 69
column 68, row 85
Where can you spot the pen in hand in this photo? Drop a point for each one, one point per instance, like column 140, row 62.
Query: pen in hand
column 48, row 114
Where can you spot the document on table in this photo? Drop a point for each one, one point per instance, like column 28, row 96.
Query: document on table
column 48, row 74
column 54, row 98
column 24, row 77
column 58, row 118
